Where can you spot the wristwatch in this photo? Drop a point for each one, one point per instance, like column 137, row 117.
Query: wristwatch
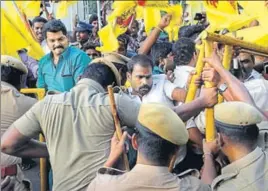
column 222, row 88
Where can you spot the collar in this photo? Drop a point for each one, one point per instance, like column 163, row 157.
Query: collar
column 185, row 68
column 150, row 169
column 236, row 166
column 254, row 75
column 90, row 84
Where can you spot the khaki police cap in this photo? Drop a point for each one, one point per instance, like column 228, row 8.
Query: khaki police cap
column 111, row 66
column 164, row 122
column 116, row 58
column 237, row 114
column 14, row 63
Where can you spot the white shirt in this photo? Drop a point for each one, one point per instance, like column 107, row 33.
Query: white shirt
column 161, row 91
column 254, row 75
column 45, row 47
column 182, row 74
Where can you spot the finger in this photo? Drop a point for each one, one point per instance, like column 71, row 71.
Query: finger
column 123, row 138
column 5, row 182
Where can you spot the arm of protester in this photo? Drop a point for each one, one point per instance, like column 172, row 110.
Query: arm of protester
column 195, row 136
column 117, row 149
column 8, row 183
column 179, row 94
column 152, row 38
column 236, row 91
column 208, row 98
column 17, row 140
column 210, row 149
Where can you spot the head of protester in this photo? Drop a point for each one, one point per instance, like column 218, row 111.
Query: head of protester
column 83, row 31
column 159, row 53
column 55, row 34
column 246, row 65
column 93, row 20
column 12, row 70
column 90, row 49
column 123, row 43
column 134, row 28
column 37, row 26
column 140, row 71
column 184, row 52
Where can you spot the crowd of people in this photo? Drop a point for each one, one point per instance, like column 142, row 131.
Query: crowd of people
column 151, row 77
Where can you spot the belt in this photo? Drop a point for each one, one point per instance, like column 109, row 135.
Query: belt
column 9, row 171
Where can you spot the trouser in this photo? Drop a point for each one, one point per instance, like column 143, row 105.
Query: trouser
column 21, row 184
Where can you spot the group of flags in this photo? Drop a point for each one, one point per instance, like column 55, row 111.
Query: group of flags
column 230, row 14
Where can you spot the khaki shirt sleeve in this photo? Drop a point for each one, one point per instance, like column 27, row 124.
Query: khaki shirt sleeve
column 29, row 123
column 194, row 184
column 128, row 109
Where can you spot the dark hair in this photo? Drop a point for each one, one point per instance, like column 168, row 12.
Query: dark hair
column 100, row 73
column 154, row 148
column 183, row 51
column 92, row 18
column 136, row 23
column 39, row 20
column 11, row 75
column 191, row 32
column 123, row 38
column 160, row 50
column 247, row 135
column 89, row 45
column 139, row 59
column 54, row 26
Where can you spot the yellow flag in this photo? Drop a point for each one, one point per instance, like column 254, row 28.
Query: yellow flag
column 30, row 8
column 15, row 36
column 260, row 36
column 62, row 9
column 256, row 8
column 225, row 15
column 152, row 17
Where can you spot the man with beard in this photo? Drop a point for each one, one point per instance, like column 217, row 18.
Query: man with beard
column 58, row 70
column 150, row 88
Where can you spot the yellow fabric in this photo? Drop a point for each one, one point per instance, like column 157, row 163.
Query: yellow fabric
column 164, row 122
column 256, row 8
column 260, row 36
column 62, row 9
column 123, row 12
column 30, row 8
column 225, row 15
column 15, row 35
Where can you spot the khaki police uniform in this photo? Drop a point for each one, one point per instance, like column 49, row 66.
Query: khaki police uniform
column 165, row 123
column 13, row 106
column 78, row 126
column 249, row 173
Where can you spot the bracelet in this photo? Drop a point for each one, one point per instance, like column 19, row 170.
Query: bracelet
column 209, row 154
column 159, row 29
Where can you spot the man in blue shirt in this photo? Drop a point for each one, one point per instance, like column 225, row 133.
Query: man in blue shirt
column 59, row 70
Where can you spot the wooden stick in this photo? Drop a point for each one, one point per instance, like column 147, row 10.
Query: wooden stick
column 117, row 122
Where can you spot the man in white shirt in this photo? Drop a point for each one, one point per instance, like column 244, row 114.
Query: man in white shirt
column 149, row 88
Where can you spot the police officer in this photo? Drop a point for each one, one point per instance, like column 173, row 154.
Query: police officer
column 156, row 140
column 236, row 123
column 83, row 32
column 13, row 106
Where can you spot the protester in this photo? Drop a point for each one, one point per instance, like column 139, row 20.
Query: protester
column 37, row 26
column 236, row 123
column 93, row 20
column 13, row 106
column 59, row 70
column 156, row 142
column 90, row 49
